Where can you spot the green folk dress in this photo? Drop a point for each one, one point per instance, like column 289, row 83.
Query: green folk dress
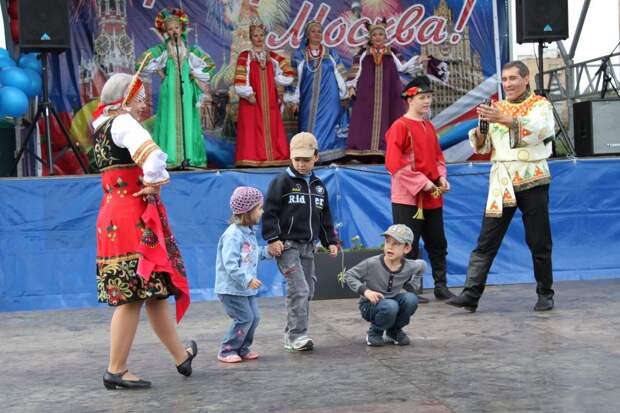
column 178, row 129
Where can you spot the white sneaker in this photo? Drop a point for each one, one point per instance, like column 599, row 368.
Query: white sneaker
column 302, row 343
column 287, row 344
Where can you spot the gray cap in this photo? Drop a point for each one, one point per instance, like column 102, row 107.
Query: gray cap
column 400, row 233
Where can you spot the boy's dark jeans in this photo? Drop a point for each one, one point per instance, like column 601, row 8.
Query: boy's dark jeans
column 389, row 313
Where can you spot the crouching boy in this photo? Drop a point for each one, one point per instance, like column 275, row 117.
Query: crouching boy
column 380, row 279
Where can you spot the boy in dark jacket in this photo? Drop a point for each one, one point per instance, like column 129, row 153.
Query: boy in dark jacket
column 296, row 215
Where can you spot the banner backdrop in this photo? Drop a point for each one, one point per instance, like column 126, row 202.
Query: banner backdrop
column 48, row 243
column 108, row 36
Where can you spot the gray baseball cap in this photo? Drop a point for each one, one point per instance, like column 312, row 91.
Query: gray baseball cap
column 400, row 233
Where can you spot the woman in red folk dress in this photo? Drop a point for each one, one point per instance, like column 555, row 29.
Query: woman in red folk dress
column 261, row 139
column 138, row 261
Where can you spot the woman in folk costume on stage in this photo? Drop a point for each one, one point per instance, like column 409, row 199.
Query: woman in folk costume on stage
column 320, row 94
column 138, row 261
column 374, row 82
column 177, row 126
column 261, row 139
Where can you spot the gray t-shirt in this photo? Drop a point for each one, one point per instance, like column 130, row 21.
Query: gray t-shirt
column 373, row 274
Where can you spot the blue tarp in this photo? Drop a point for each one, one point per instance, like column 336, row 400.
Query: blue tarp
column 47, row 227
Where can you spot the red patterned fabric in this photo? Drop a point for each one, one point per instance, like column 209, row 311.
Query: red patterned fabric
column 164, row 255
column 137, row 256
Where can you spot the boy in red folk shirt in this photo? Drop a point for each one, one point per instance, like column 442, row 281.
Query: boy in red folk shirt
column 414, row 159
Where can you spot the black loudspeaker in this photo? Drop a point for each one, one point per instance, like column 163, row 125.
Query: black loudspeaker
column 44, row 25
column 541, row 20
column 596, row 127
column 7, row 147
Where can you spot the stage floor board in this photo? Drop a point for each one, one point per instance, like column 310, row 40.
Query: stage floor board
column 503, row 358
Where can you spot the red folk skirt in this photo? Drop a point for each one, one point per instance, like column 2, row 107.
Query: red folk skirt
column 137, row 256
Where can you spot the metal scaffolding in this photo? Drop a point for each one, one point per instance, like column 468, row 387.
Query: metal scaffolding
column 574, row 82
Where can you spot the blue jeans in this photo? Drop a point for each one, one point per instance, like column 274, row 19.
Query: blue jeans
column 244, row 312
column 389, row 313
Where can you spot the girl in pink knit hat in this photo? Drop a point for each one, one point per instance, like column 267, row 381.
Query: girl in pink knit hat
column 236, row 282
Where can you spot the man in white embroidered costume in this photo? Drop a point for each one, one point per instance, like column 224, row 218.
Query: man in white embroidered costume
column 520, row 130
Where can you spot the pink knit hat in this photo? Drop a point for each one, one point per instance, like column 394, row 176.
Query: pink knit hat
column 244, row 199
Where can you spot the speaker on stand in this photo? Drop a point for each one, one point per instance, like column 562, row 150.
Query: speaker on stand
column 544, row 21
column 44, row 27
column 541, row 20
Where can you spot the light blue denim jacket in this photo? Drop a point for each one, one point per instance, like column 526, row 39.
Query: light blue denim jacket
column 237, row 260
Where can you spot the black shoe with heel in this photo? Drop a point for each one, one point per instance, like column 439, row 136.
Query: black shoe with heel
column 185, row 368
column 113, row 381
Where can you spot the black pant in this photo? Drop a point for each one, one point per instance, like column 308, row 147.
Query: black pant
column 431, row 231
column 534, row 205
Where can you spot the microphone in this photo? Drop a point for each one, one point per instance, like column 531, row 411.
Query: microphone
column 483, row 125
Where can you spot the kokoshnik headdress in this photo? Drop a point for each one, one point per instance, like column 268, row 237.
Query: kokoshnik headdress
column 380, row 25
column 257, row 24
column 170, row 14
column 309, row 25
column 120, row 89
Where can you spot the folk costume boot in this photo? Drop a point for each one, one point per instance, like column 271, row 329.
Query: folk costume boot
column 544, row 303
column 441, row 281
column 442, row 292
column 464, row 301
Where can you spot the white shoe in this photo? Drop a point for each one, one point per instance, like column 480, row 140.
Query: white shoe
column 287, row 344
column 302, row 343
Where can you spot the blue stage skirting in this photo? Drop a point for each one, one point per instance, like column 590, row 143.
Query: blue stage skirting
column 47, row 227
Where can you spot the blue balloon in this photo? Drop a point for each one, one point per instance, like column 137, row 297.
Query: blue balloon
column 30, row 61
column 36, row 81
column 6, row 61
column 16, row 77
column 13, row 102
column 4, row 52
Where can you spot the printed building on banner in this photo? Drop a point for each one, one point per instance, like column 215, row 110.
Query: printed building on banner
column 223, row 81
column 113, row 52
column 463, row 64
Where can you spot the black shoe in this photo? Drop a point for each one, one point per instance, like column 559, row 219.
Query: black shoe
column 442, row 293
column 114, row 381
column 397, row 337
column 463, row 301
column 544, row 303
column 422, row 300
column 374, row 339
column 185, row 368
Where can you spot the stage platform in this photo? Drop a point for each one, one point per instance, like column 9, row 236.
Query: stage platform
column 504, row 358
column 47, row 227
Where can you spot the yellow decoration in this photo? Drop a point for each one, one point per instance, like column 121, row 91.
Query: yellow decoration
column 523, row 155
